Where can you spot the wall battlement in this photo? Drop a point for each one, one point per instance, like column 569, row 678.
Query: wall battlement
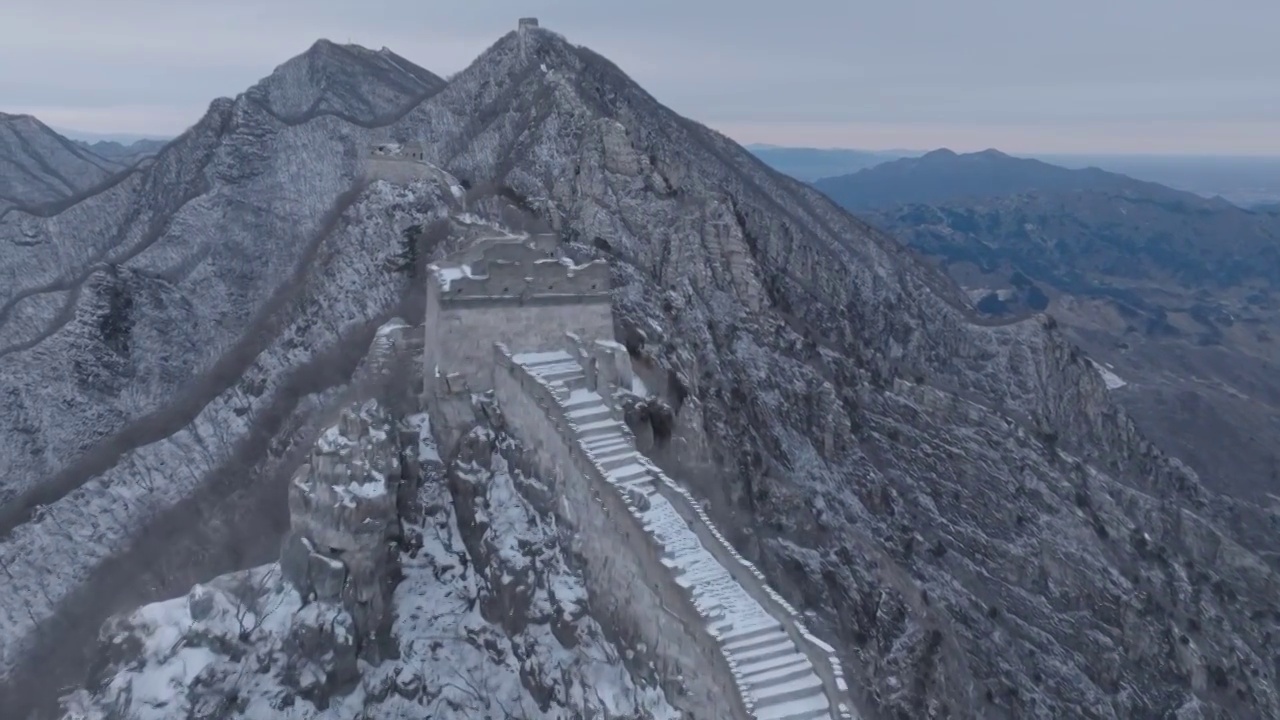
column 512, row 290
column 517, row 271
column 400, row 164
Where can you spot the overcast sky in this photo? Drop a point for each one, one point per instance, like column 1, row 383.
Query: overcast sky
column 1166, row 76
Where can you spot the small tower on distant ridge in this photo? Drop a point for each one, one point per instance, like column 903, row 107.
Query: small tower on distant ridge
column 522, row 28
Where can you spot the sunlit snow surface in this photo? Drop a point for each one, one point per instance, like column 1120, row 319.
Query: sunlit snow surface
column 1111, row 379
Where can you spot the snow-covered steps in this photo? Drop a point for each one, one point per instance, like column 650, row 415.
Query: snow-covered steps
column 775, row 676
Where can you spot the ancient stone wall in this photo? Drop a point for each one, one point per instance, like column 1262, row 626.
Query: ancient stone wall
column 397, row 170
column 561, row 406
column 513, row 293
column 400, row 164
column 626, row 577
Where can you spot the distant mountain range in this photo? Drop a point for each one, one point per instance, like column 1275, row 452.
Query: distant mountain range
column 1245, row 181
column 1181, row 294
column 124, row 153
column 38, row 166
column 955, row 499
column 943, row 175
column 810, row 164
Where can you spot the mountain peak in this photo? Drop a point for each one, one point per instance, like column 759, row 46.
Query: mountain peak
column 43, row 166
column 350, row 81
column 943, row 175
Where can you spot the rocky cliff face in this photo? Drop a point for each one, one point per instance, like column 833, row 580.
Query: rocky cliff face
column 959, row 504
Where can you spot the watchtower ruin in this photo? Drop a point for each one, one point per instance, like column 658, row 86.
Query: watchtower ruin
column 510, row 290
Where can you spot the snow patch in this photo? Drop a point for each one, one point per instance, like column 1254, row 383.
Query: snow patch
column 1111, row 379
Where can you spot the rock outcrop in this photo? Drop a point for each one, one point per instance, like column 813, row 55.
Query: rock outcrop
column 488, row 616
column 344, row 517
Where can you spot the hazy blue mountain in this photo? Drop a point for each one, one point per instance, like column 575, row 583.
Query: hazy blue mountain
column 1178, row 292
column 1242, row 180
column 86, row 136
column 127, row 153
column 943, row 175
column 809, row 164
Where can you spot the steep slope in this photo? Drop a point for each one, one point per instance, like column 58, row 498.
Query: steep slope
column 958, row 503
column 161, row 341
column 1175, row 293
column 361, row 86
column 943, row 175
column 900, row 466
column 39, row 166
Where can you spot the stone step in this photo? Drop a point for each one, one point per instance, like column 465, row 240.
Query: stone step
column 807, row 708
column 629, row 473
column 644, row 486
column 754, row 642
column 763, row 666
column 579, row 396
column 804, row 687
column 600, row 446
column 552, row 369
column 599, row 429
column 746, row 659
column 789, row 668
column 692, row 577
column 570, row 383
column 588, row 413
column 733, row 634
column 617, row 461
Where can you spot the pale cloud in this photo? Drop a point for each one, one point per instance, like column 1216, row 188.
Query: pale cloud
column 1050, row 76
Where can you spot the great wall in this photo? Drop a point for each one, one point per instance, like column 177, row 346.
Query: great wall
column 517, row 335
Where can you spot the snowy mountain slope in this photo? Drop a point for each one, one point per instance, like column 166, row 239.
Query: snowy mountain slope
column 168, row 326
column 361, row 86
column 870, row 427
column 231, row 647
column 961, row 507
column 177, row 225
column 39, row 166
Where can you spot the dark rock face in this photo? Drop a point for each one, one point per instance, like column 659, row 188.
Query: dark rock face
column 959, row 503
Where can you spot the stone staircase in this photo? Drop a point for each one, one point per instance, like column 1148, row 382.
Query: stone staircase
column 776, row 677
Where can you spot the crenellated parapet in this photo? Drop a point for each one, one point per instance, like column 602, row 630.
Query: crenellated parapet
column 519, row 272
column 505, row 289
column 401, row 163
